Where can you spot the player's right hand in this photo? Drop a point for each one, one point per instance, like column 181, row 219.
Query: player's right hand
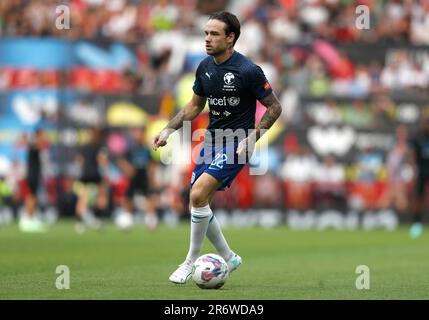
column 161, row 139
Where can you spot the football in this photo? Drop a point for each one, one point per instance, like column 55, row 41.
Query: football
column 124, row 221
column 210, row 271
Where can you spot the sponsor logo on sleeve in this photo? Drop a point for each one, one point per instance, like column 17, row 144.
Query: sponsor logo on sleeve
column 266, row 86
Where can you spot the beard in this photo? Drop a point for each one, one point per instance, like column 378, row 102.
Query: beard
column 216, row 52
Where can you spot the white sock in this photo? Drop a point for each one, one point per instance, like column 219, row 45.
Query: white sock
column 215, row 235
column 199, row 222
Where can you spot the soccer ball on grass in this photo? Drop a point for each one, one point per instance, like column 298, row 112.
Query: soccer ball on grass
column 210, row 271
column 124, row 221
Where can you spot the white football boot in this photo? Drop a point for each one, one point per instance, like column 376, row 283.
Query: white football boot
column 234, row 262
column 182, row 274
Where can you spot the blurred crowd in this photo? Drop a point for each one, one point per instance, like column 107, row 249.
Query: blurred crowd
column 298, row 44
column 289, row 21
column 136, row 184
column 290, row 39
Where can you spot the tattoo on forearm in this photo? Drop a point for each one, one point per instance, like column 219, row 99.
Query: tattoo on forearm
column 270, row 116
column 177, row 120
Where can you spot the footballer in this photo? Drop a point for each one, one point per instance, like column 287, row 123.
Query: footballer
column 231, row 83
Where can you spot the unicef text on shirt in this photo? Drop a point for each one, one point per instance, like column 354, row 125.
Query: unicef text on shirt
column 224, row 101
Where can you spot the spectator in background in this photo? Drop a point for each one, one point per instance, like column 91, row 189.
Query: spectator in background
column 319, row 81
column 176, row 198
column 420, row 23
column 298, row 174
column 313, row 13
column 395, row 23
column 67, row 198
column 358, row 114
column 384, row 109
column 299, row 76
column 397, row 162
column 285, row 26
column 89, row 160
column 86, row 113
column 30, row 221
column 6, row 193
column 374, row 73
column 290, row 99
column 420, row 152
column 252, row 37
column 329, row 186
column 368, row 167
column 420, row 77
column 266, row 191
column 326, row 113
column 139, row 167
column 369, row 163
column 398, row 73
column 13, row 176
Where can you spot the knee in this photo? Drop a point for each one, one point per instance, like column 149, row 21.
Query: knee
column 198, row 199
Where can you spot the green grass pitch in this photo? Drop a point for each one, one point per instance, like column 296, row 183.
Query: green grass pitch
column 278, row 263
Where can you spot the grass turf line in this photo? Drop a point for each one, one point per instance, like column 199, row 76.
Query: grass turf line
column 278, row 263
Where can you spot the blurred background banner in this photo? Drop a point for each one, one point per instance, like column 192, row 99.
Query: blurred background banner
column 350, row 96
column 36, row 54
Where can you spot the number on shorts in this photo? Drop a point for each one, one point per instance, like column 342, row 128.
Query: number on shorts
column 219, row 160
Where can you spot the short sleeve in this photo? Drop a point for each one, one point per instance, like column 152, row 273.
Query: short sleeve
column 258, row 83
column 198, row 87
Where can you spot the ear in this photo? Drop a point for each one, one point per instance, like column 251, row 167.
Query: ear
column 231, row 37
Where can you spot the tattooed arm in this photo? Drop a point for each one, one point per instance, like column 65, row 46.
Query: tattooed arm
column 188, row 113
column 274, row 109
column 270, row 116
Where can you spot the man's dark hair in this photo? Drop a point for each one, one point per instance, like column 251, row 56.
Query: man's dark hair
column 231, row 23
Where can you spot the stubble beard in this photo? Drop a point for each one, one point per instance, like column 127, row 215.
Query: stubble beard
column 217, row 53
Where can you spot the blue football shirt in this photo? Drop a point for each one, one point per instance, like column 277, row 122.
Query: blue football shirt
column 232, row 89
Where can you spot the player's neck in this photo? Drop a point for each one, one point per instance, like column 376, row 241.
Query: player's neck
column 224, row 56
